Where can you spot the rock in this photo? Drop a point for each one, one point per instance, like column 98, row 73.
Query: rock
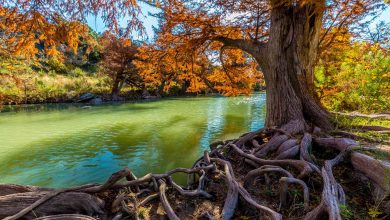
column 96, row 101
column 150, row 97
column 86, row 97
column 145, row 93
column 116, row 98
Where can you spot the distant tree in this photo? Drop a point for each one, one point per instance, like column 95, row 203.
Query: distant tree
column 31, row 34
column 118, row 54
column 26, row 23
column 165, row 65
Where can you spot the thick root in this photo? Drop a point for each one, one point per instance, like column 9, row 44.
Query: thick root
column 67, row 217
column 332, row 193
column 304, row 148
column 287, row 145
column 284, row 182
column 288, row 154
column 165, row 203
column 15, row 206
column 378, row 171
column 272, row 145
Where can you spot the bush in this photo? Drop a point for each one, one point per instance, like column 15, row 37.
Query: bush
column 57, row 66
column 77, row 72
column 351, row 81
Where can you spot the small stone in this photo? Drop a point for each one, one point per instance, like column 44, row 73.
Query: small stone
column 86, row 97
column 96, row 101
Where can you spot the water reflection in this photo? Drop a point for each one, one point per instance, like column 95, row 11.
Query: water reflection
column 57, row 147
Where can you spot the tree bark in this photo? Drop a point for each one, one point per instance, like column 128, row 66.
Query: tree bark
column 289, row 71
column 116, row 88
column 287, row 61
column 65, row 203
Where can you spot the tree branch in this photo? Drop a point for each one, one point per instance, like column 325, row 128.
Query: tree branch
column 256, row 49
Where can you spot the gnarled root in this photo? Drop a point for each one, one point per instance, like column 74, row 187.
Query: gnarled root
column 66, row 217
column 272, row 145
column 287, row 145
column 332, row 192
column 304, row 148
column 163, row 198
column 232, row 196
column 262, row 170
column 284, row 182
column 15, row 206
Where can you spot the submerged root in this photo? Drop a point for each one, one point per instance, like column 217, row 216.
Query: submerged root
column 219, row 182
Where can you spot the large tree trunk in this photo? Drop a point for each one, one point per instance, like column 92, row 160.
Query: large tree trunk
column 287, row 61
column 291, row 55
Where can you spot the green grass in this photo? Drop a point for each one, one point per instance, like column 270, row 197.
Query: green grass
column 349, row 124
column 377, row 154
column 26, row 81
column 347, row 121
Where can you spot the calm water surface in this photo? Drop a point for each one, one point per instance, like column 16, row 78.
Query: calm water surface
column 66, row 145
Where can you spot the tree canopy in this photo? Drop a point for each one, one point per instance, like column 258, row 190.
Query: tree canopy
column 25, row 23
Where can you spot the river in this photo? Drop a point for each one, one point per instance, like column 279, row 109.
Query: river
column 62, row 145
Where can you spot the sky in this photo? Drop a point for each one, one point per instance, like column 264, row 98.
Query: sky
column 97, row 24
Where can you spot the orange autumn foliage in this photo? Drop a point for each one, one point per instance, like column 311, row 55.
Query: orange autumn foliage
column 23, row 33
column 55, row 24
column 165, row 65
column 118, row 54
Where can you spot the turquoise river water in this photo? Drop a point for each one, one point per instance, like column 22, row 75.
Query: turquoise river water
column 65, row 145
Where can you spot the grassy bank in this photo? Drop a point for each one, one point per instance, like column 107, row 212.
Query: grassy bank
column 356, row 125
column 26, row 82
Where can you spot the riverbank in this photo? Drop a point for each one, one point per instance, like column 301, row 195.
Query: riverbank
column 55, row 88
column 40, row 82
column 41, row 89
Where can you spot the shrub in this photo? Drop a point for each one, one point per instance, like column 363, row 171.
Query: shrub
column 77, row 72
column 351, row 81
column 56, row 66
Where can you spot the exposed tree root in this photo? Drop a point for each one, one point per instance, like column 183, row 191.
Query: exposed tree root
column 358, row 137
column 163, row 198
column 332, row 193
column 223, row 179
column 372, row 116
column 371, row 128
column 284, row 182
column 66, row 216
